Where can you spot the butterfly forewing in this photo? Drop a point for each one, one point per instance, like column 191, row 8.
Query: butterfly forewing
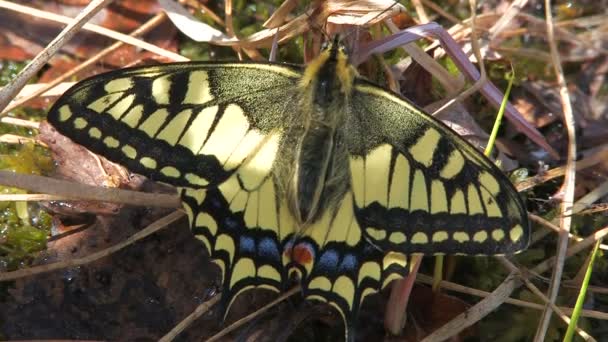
column 419, row 188
column 187, row 124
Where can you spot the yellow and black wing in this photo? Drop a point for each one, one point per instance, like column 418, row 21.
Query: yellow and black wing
column 415, row 187
column 338, row 265
column 186, row 124
column 213, row 131
column 420, row 188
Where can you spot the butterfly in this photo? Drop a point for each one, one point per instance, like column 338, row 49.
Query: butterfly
column 311, row 173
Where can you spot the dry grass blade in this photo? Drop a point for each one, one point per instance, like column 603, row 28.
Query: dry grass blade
column 30, row 89
column 16, row 139
column 151, row 229
column 192, row 27
column 556, row 229
column 482, row 77
column 595, row 158
column 477, row 312
column 97, row 29
column 591, row 197
column 444, row 284
column 452, row 84
column 253, row 315
column 149, row 25
column 19, row 122
column 8, row 93
column 576, row 248
column 280, row 14
column 198, row 312
column 504, row 21
column 30, row 197
column 544, row 298
column 78, row 191
column 430, row 4
column 361, row 12
column 569, row 180
column 424, row 17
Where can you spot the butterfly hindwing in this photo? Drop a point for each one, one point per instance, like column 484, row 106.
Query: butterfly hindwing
column 419, row 188
column 249, row 254
column 339, row 266
column 188, row 124
column 244, row 224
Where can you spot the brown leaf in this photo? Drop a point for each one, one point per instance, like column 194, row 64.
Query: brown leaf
column 431, row 310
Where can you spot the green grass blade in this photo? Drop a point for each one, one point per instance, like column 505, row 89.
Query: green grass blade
column 510, row 76
column 581, row 296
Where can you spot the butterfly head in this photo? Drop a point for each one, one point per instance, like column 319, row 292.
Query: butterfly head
column 331, row 71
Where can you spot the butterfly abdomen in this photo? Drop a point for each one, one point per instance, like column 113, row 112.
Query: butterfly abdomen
column 312, row 162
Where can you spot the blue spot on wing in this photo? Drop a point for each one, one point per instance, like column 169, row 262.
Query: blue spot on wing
column 328, row 261
column 247, row 244
column 349, row 263
column 268, row 248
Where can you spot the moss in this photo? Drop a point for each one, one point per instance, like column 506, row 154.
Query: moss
column 23, row 227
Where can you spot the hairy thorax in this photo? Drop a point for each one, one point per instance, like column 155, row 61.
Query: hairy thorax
column 318, row 163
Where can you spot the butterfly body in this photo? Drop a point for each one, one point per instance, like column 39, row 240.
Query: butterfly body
column 320, row 156
column 315, row 173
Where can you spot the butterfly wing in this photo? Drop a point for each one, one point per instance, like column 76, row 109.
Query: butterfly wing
column 420, row 188
column 338, row 266
column 243, row 229
column 186, row 124
column 213, row 131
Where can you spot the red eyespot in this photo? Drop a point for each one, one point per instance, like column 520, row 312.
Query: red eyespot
column 301, row 254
